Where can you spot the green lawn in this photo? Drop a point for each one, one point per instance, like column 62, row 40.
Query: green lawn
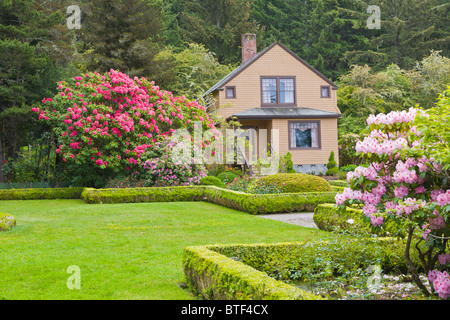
column 124, row 251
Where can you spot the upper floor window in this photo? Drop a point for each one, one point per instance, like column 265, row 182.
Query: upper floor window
column 230, row 92
column 278, row 91
column 325, row 92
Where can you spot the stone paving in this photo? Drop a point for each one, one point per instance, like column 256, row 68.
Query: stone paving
column 304, row 219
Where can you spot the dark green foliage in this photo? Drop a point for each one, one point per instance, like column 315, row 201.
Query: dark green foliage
column 219, row 25
column 212, row 181
column 125, row 36
column 296, row 182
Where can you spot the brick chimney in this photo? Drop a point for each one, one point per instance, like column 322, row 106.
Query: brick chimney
column 248, row 46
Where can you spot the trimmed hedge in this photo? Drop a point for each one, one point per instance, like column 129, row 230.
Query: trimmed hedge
column 327, row 217
column 296, row 182
column 40, row 193
column 217, row 277
column 338, row 183
column 250, row 203
column 249, row 271
column 7, row 221
column 150, row 194
column 212, row 181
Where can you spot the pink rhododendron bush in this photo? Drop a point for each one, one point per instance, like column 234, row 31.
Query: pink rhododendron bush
column 407, row 181
column 105, row 125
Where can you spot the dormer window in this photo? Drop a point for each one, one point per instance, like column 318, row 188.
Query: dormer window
column 325, row 92
column 277, row 91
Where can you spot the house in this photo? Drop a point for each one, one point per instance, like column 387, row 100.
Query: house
column 276, row 89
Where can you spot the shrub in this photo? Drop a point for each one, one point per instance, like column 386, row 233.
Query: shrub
column 159, row 170
column 332, row 165
column 296, row 182
column 227, row 176
column 286, row 164
column 266, row 188
column 7, row 221
column 240, row 184
column 212, row 181
column 104, row 123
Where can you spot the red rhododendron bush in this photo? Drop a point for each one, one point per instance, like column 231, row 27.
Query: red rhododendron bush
column 104, row 124
column 407, row 180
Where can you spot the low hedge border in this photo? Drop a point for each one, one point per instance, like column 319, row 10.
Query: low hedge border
column 249, row 271
column 7, row 221
column 250, row 203
column 41, row 193
column 338, row 183
column 217, row 277
column 327, row 217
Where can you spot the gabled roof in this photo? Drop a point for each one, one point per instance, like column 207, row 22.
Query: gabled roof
column 242, row 67
column 285, row 113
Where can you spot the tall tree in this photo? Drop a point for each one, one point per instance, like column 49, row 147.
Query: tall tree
column 27, row 72
column 409, row 29
column 219, row 25
column 125, row 36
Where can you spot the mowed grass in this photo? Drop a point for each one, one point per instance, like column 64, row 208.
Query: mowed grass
column 123, row 251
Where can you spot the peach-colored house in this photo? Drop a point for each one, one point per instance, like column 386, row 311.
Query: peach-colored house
column 276, row 89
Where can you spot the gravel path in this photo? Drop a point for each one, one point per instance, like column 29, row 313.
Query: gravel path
column 304, row 219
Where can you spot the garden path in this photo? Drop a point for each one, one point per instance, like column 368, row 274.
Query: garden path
column 304, row 219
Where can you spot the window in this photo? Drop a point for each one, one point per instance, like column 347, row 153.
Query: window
column 230, row 92
column 278, row 91
column 325, row 92
column 304, row 134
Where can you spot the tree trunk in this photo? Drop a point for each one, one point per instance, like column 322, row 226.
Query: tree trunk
column 411, row 265
column 2, row 175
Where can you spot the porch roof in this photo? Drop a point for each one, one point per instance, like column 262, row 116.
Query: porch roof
column 284, row 113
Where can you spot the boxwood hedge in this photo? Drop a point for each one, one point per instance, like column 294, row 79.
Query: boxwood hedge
column 328, row 217
column 40, row 193
column 251, row 203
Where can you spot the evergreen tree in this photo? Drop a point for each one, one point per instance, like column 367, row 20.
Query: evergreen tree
column 219, row 25
column 125, row 36
column 27, row 72
column 409, row 29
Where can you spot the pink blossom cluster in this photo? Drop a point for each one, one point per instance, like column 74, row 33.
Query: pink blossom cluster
column 393, row 117
column 444, row 258
column 441, row 282
column 375, row 146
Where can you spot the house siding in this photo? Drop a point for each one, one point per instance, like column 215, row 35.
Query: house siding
column 276, row 62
